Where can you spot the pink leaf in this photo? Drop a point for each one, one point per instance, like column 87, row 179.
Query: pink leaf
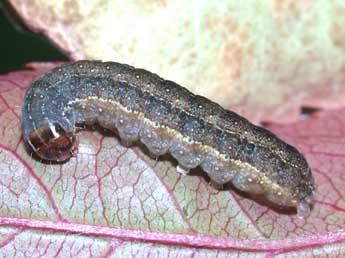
column 116, row 201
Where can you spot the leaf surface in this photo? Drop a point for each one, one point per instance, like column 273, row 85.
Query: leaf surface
column 113, row 201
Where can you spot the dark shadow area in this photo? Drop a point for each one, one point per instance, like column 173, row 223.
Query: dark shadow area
column 309, row 110
column 19, row 45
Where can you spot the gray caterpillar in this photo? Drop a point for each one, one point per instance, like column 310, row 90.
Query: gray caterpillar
column 165, row 117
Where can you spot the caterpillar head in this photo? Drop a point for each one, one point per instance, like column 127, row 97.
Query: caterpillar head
column 52, row 142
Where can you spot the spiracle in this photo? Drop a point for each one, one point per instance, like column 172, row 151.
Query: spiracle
column 166, row 118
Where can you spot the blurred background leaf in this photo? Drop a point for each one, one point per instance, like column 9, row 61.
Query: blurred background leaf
column 263, row 59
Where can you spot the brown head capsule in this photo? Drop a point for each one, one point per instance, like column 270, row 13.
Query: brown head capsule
column 52, row 142
column 166, row 117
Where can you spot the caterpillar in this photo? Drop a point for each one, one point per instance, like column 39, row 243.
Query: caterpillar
column 167, row 118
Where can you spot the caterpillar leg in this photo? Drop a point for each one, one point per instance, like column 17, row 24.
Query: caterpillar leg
column 182, row 170
column 216, row 185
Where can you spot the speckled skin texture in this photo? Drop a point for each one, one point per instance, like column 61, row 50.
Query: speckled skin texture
column 166, row 117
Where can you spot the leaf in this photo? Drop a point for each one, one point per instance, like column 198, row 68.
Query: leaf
column 265, row 64
column 115, row 201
